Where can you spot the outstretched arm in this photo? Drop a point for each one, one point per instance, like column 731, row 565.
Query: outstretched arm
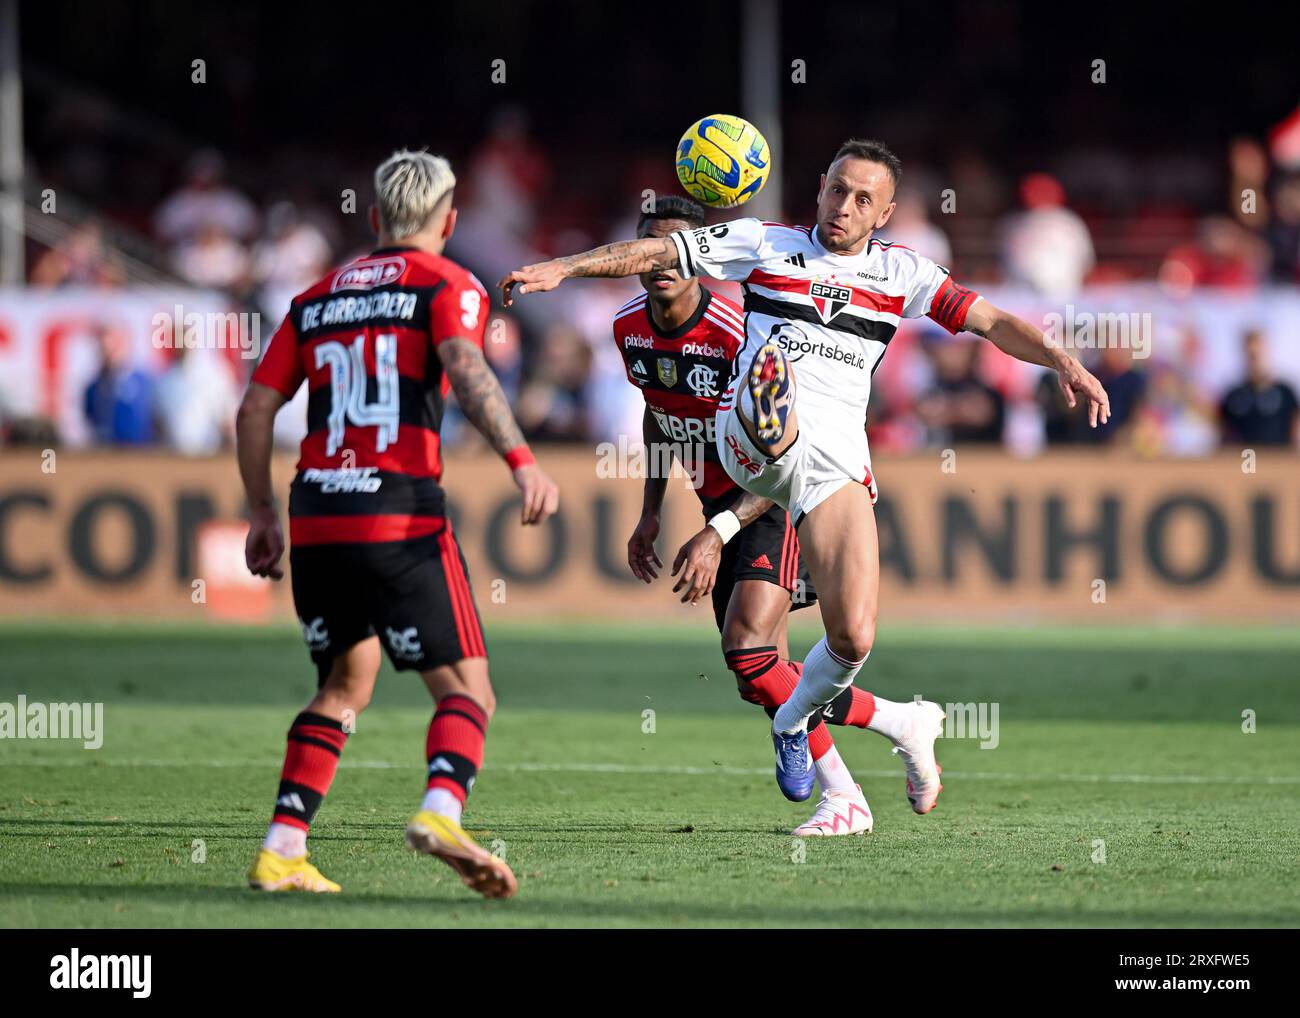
column 1019, row 339
column 626, row 258
column 484, row 404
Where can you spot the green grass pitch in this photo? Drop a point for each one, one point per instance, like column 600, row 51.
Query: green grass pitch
column 1128, row 737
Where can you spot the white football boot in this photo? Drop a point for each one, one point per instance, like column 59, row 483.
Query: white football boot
column 838, row 813
column 917, row 751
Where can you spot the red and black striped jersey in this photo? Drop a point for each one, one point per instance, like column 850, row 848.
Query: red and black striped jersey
column 363, row 339
column 682, row 374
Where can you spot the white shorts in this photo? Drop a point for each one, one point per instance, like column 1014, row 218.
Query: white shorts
column 817, row 465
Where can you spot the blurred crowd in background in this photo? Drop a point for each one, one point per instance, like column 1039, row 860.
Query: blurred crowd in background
column 566, row 379
column 1051, row 203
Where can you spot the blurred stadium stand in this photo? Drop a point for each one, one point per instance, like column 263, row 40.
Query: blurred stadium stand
column 235, row 185
column 1171, row 190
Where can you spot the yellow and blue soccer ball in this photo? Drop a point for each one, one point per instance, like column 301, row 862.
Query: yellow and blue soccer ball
column 722, row 161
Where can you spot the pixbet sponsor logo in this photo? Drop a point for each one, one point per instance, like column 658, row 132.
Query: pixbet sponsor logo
column 703, row 350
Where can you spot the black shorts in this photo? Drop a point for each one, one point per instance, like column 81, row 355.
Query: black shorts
column 415, row 594
column 767, row 549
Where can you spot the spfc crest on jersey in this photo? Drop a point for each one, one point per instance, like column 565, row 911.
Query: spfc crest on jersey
column 667, row 371
column 829, row 299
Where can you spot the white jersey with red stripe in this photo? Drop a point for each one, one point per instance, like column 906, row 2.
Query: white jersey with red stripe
column 833, row 315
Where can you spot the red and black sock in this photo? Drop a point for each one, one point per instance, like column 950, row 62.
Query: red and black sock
column 310, row 760
column 854, row 706
column 763, row 678
column 455, row 744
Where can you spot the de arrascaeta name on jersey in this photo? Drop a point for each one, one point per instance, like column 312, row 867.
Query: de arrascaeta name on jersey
column 393, row 305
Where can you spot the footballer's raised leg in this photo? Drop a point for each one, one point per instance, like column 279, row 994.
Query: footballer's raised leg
column 767, row 399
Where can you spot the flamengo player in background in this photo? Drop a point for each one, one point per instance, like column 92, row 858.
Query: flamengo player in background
column 823, row 303
column 678, row 340
column 380, row 342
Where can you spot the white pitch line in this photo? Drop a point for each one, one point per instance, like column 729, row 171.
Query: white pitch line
column 617, row 768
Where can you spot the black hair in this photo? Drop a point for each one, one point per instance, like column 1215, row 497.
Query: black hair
column 876, row 152
column 672, row 207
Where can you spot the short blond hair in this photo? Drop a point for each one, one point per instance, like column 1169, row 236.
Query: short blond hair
column 409, row 187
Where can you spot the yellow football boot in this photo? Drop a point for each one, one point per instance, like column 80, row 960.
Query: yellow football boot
column 273, row 872
column 440, row 836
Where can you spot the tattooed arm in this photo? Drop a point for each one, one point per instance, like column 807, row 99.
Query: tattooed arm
column 749, row 507
column 480, row 397
column 626, row 258
column 479, row 394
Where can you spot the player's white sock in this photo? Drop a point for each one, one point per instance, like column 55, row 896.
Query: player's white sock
column 892, row 720
column 832, row 773
column 825, row 675
column 286, row 840
column 439, row 800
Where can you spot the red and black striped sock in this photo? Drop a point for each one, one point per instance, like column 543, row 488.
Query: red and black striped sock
column 454, row 747
column 855, row 707
column 765, row 679
column 759, row 675
column 310, row 760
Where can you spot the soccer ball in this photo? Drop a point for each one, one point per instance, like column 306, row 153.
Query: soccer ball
column 722, row 161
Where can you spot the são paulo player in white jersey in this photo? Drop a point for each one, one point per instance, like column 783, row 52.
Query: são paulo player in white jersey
column 821, row 305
